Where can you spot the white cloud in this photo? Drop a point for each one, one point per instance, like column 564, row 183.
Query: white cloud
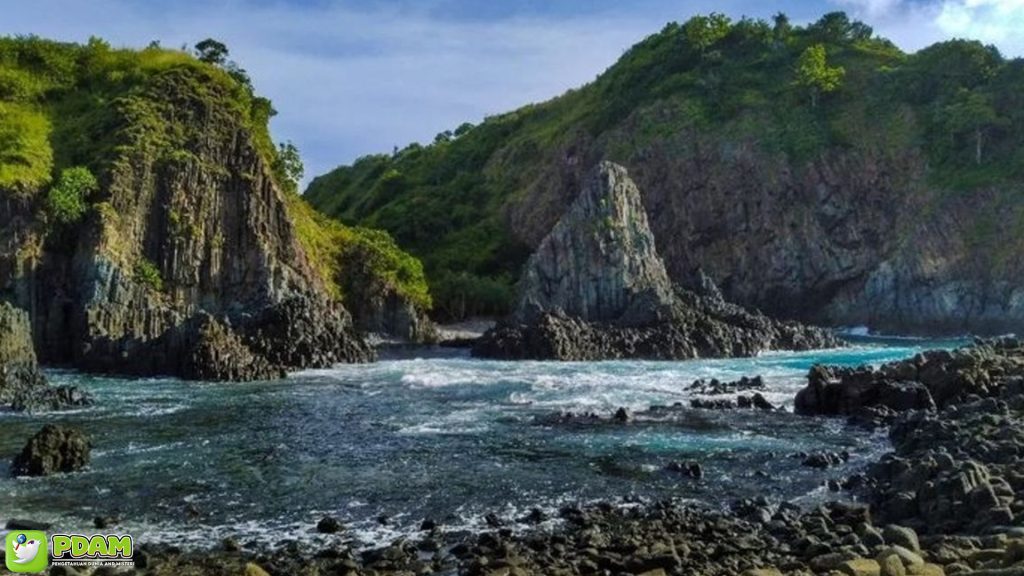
column 995, row 21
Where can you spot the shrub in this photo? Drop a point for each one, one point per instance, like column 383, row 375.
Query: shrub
column 148, row 274
column 67, row 199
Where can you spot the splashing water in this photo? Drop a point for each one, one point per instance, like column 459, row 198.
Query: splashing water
column 449, row 439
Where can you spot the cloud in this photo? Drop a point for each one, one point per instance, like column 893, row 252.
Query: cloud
column 915, row 24
column 993, row 21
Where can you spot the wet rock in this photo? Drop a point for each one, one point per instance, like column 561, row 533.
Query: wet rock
column 329, row 525
column 218, row 354
column 104, row 522
column 53, row 449
column 22, row 385
column 690, row 469
column 622, row 415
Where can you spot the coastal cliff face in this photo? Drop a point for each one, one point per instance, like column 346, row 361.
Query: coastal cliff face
column 846, row 239
column 866, row 206
column 184, row 255
column 596, row 289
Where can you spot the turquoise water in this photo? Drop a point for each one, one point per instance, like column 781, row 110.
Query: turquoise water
column 446, row 438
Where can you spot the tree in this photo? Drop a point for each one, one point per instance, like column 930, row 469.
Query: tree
column 814, row 73
column 971, row 111
column 288, row 165
column 703, row 31
column 212, row 52
column 782, row 28
column 66, row 200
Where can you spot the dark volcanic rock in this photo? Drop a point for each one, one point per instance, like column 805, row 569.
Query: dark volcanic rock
column 53, row 449
column 218, row 354
column 934, row 378
column 22, row 385
column 596, row 289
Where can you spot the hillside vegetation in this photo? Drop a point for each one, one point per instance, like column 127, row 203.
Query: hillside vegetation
column 70, row 113
column 795, row 93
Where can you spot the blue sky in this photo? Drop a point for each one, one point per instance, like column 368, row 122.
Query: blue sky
column 356, row 77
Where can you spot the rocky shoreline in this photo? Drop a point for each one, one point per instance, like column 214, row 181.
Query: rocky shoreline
column 948, row 499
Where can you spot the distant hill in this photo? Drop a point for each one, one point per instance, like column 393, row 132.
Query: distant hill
column 816, row 172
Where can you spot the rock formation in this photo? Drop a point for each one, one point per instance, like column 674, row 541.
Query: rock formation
column 188, row 223
column 53, row 449
column 22, row 385
column 596, row 289
column 933, row 379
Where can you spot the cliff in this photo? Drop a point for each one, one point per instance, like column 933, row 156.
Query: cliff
column 596, row 289
column 863, row 205
column 22, row 384
column 149, row 229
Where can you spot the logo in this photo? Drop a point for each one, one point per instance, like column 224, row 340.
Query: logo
column 26, row 551
column 96, row 550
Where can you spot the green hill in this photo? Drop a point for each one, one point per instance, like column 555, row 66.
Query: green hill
column 471, row 204
column 72, row 111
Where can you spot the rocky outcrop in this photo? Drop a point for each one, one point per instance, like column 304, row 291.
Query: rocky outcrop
column 53, row 449
column 22, row 385
column 849, row 237
column 598, row 263
column 596, row 289
column 936, row 378
column 188, row 224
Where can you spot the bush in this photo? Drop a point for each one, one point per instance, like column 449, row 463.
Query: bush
column 148, row 274
column 67, row 199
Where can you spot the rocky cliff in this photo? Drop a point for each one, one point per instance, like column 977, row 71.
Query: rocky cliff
column 597, row 289
column 185, row 257
column 867, row 206
column 22, row 385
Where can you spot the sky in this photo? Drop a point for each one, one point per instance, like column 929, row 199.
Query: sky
column 356, row 77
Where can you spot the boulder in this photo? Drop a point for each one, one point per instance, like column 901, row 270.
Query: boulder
column 53, row 449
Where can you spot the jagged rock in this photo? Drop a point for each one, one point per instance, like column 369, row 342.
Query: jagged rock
column 932, row 379
column 218, row 354
column 598, row 263
column 22, row 384
column 53, row 449
column 596, row 289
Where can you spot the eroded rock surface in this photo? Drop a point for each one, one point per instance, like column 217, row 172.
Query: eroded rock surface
column 596, row 289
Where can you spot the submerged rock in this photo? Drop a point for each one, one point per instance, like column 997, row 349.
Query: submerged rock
column 53, row 449
column 596, row 289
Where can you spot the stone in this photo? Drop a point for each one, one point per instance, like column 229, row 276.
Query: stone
column 926, row 570
column 53, row 449
column 908, row 557
column 253, row 569
column 860, row 567
column 891, row 565
column 901, row 536
column 329, row 525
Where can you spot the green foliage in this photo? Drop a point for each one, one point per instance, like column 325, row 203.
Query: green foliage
column 26, row 158
column 288, row 167
column 815, row 75
column 148, row 274
column 357, row 263
column 212, row 52
column 67, row 200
